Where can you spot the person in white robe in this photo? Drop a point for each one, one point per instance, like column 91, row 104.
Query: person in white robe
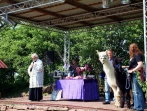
column 36, row 73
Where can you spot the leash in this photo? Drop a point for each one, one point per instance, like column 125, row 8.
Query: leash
column 128, row 79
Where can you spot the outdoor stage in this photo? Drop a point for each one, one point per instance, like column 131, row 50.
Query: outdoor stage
column 23, row 104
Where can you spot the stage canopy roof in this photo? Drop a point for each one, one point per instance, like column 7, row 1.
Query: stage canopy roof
column 70, row 14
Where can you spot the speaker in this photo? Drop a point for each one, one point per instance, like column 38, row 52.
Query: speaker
column 50, row 57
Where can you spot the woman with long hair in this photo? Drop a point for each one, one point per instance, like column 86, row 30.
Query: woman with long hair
column 136, row 63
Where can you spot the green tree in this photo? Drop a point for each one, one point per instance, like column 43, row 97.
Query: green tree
column 18, row 43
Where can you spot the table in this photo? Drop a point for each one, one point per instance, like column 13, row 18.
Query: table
column 84, row 89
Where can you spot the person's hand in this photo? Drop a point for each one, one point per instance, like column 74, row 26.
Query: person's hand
column 123, row 67
column 130, row 71
column 32, row 64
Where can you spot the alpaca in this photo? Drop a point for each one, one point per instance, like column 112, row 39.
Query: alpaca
column 116, row 78
column 123, row 81
column 110, row 73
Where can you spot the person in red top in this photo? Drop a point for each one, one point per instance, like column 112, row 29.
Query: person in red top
column 136, row 63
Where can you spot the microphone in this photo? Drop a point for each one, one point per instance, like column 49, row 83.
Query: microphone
column 31, row 67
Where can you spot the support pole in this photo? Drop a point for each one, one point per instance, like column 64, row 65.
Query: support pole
column 145, row 36
column 66, row 47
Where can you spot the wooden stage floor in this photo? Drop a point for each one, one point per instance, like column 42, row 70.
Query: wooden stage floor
column 73, row 105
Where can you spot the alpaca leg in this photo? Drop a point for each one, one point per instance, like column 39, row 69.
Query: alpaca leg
column 118, row 101
column 123, row 97
column 128, row 98
column 114, row 90
column 122, row 101
column 115, row 93
column 118, row 98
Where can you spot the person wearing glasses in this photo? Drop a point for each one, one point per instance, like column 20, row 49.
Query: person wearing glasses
column 36, row 73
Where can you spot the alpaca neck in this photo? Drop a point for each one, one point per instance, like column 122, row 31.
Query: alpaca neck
column 107, row 64
column 108, row 68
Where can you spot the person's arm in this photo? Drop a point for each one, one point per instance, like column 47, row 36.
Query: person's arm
column 38, row 66
column 30, row 68
column 125, row 67
column 140, row 64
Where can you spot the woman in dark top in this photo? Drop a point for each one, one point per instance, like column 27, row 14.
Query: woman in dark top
column 136, row 63
column 75, row 64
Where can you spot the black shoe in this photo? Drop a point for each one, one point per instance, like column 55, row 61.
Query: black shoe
column 138, row 110
column 106, row 102
column 32, row 100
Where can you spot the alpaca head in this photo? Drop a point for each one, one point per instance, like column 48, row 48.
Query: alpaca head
column 103, row 57
column 117, row 63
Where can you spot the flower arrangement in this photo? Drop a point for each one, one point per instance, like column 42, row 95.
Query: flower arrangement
column 84, row 70
column 87, row 69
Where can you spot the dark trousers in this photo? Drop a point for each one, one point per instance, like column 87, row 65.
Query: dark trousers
column 35, row 94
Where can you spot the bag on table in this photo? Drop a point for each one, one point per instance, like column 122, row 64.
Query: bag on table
column 56, row 94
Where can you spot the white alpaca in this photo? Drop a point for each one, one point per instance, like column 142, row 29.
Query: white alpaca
column 110, row 73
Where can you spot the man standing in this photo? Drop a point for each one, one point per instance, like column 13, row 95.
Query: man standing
column 36, row 72
column 107, row 87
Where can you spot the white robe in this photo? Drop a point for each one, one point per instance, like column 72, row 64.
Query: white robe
column 36, row 75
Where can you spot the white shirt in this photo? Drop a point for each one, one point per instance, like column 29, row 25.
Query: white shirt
column 36, row 74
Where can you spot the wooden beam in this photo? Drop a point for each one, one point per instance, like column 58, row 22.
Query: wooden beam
column 22, row 18
column 115, row 18
column 85, row 23
column 11, row 1
column 7, row 1
column 79, row 5
column 47, row 12
column 3, row 1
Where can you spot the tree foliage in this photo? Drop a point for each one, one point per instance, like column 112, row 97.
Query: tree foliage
column 118, row 38
column 17, row 45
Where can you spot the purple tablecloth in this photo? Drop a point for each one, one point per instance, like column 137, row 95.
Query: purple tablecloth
column 84, row 89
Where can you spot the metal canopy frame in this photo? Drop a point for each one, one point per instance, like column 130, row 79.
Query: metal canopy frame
column 27, row 5
column 97, row 14
column 86, row 18
column 89, row 16
column 46, row 14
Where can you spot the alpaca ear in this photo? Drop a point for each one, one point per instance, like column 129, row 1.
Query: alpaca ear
column 121, row 59
column 106, row 51
column 97, row 52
